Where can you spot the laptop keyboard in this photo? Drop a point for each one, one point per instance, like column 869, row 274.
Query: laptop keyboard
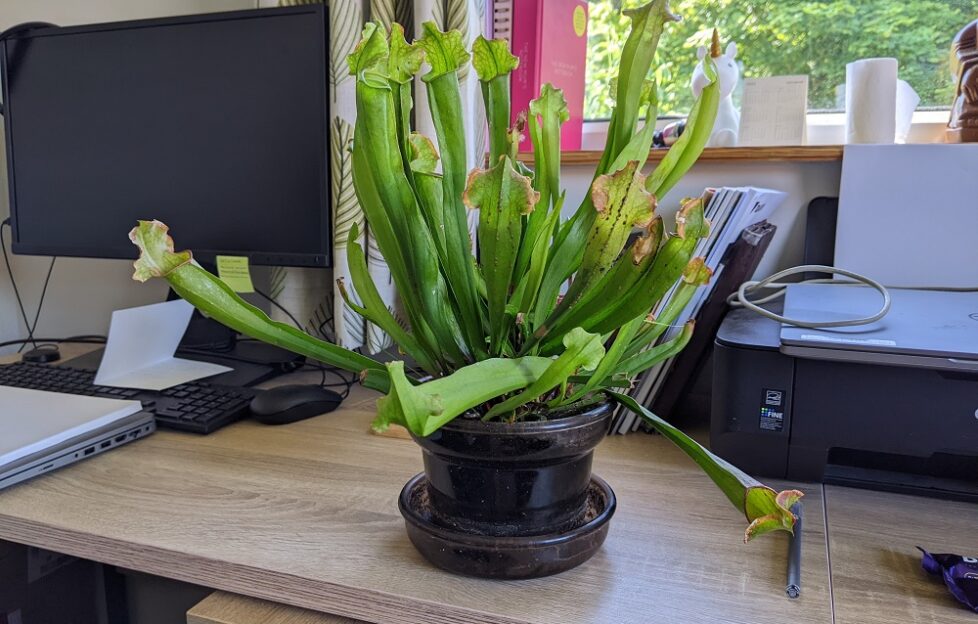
column 195, row 406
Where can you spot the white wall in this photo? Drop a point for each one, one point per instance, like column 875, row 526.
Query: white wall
column 82, row 293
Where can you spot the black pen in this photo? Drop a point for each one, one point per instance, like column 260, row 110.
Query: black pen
column 793, row 587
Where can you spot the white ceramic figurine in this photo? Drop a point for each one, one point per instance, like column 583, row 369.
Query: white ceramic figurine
column 728, row 117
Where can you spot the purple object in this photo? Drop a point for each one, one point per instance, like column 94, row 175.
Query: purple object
column 669, row 134
column 960, row 575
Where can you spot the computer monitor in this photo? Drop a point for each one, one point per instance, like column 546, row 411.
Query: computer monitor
column 217, row 125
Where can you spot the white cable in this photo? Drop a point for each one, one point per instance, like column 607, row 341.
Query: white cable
column 742, row 298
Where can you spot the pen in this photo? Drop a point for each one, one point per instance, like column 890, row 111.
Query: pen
column 793, row 587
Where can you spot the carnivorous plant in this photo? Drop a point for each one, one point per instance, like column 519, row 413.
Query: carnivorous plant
column 495, row 333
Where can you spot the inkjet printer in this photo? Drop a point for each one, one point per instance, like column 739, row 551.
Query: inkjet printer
column 892, row 405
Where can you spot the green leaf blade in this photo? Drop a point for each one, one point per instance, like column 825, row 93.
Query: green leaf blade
column 404, row 60
column 380, row 177
column 618, row 285
column 765, row 509
column 582, row 351
column 632, row 365
column 685, row 151
column 424, row 408
column 213, row 297
column 494, row 63
column 446, row 54
column 492, row 59
column 647, row 25
column 370, row 55
column 667, row 267
column 695, row 274
column 444, row 51
column 374, row 308
column 621, row 203
column 502, row 196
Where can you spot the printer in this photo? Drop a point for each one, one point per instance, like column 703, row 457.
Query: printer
column 892, row 405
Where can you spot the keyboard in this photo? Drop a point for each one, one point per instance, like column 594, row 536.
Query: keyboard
column 196, row 406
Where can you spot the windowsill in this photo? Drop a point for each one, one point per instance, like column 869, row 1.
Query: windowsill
column 824, row 129
column 803, row 153
column 829, row 128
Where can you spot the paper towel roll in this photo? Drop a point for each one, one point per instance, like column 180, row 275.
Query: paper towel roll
column 906, row 103
column 871, row 88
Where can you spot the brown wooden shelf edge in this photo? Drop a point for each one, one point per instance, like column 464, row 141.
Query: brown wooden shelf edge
column 800, row 153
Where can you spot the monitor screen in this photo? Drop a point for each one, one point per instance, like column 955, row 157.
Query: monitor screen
column 215, row 124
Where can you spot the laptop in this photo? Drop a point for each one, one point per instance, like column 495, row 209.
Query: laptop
column 42, row 431
column 924, row 328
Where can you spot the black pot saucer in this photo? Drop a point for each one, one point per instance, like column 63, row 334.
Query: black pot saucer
column 511, row 557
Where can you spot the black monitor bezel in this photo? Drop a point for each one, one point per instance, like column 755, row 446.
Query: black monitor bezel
column 323, row 259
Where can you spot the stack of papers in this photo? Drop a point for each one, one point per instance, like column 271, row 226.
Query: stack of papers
column 729, row 211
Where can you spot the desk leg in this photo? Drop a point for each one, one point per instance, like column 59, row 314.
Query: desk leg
column 116, row 606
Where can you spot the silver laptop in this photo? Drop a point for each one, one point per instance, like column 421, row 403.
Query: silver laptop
column 42, row 431
column 926, row 328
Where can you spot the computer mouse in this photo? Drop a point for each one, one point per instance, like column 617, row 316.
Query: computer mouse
column 288, row 404
column 42, row 354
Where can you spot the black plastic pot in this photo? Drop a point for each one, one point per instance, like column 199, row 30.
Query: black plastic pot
column 510, row 500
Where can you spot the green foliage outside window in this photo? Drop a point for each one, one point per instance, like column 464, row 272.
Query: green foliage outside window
column 782, row 37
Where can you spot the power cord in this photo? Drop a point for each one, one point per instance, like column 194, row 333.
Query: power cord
column 31, row 327
column 346, row 382
column 280, row 307
column 86, row 339
column 743, row 297
column 13, row 282
column 40, row 301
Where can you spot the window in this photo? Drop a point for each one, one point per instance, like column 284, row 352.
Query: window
column 781, row 37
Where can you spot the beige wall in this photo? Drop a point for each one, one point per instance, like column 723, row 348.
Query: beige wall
column 82, row 293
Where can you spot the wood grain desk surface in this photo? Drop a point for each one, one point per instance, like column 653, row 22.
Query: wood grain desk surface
column 876, row 573
column 306, row 515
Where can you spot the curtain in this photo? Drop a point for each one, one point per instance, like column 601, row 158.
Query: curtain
column 346, row 20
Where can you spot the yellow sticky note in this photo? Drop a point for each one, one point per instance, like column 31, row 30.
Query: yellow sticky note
column 233, row 271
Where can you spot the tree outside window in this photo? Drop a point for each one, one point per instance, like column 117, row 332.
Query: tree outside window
column 782, row 37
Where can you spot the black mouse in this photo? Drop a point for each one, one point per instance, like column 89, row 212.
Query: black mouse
column 42, row 354
column 288, row 404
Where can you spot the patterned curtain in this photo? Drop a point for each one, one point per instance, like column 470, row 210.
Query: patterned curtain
column 346, row 20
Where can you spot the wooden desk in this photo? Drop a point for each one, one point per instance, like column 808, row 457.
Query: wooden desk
column 876, row 573
column 306, row 515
